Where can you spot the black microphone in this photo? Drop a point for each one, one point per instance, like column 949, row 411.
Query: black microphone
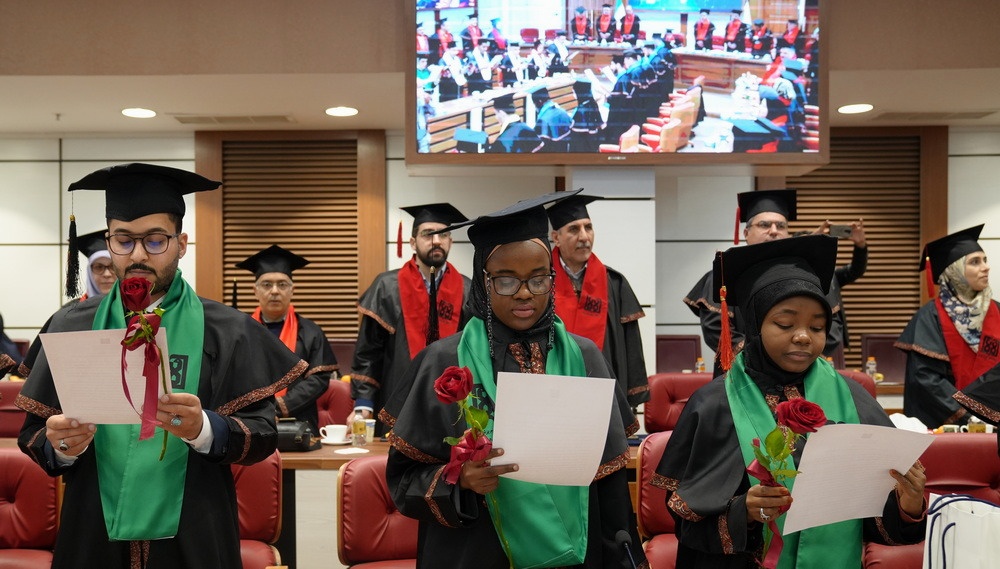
column 624, row 540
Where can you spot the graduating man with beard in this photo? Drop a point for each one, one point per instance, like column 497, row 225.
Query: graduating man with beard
column 404, row 310
column 163, row 500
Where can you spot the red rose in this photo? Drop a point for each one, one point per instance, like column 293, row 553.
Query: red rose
column 454, row 385
column 135, row 294
column 801, row 416
column 469, row 448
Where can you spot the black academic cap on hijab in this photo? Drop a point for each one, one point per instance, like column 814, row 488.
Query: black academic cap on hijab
column 505, row 103
column 274, row 259
column 747, row 269
column 950, row 248
column 92, row 243
column 521, row 221
column 434, row 213
column 569, row 210
column 774, row 201
column 134, row 190
column 539, row 96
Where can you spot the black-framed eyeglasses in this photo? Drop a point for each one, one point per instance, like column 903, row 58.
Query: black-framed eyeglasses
column 766, row 225
column 429, row 234
column 101, row 268
column 508, row 286
column 283, row 286
column 153, row 243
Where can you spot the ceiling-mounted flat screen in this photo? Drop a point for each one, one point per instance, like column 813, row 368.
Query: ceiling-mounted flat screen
column 638, row 81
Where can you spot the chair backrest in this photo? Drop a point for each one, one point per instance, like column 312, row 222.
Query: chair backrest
column 369, row 527
column 670, row 134
column 891, row 361
column 963, row 463
column 258, row 499
column 550, row 34
column 652, row 515
column 676, row 352
column 629, row 140
column 668, row 393
column 838, row 357
column 861, row 377
column 529, row 35
column 334, row 404
column 343, row 350
column 11, row 418
column 28, row 505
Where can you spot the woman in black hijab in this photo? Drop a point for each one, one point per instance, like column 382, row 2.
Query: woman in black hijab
column 720, row 512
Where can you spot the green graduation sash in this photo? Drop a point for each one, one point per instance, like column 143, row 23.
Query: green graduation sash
column 539, row 525
column 140, row 494
column 831, row 546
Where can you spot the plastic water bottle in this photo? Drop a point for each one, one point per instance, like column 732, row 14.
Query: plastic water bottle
column 359, row 430
column 870, row 367
column 699, row 365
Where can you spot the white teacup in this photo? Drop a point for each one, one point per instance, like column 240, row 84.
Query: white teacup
column 334, row 433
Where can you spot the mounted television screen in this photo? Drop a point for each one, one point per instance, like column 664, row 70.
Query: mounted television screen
column 650, row 81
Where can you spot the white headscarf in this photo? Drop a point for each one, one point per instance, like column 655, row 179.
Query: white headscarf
column 92, row 289
column 966, row 307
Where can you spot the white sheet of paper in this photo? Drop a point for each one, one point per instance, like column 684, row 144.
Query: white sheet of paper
column 86, row 370
column 553, row 427
column 844, row 473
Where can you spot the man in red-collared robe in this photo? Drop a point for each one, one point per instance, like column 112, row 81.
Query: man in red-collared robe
column 606, row 25
column 703, row 30
column 423, row 42
column 736, row 33
column 580, row 28
column 594, row 300
column 405, row 309
column 630, row 26
column 471, row 34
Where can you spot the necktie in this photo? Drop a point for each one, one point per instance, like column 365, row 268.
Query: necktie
column 432, row 312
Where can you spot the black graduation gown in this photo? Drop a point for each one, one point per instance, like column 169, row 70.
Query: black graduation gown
column 381, row 353
column 455, row 527
column 516, row 138
column 633, row 32
column 700, row 301
column 243, row 365
column 621, row 107
column 586, row 124
column 300, row 401
column 929, row 393
column 703, row 470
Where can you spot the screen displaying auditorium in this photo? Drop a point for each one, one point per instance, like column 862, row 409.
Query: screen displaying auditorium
column 585, row 77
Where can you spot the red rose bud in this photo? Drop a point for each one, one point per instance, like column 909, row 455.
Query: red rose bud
column 469, row 448
column 800, row 416
column 755, row 442
column 454, row 385
column 135, row 293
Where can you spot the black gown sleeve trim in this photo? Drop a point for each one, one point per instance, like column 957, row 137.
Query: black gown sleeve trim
column 377, row 318
column 23, row 370
column 320, row 369
column 677, row 505
column 977, row 407
column 386, row 418
column 664, row 483
column 264, row 392
column 411, row 452
column 921, row 350
column 631, row 317
column 35, row 407
column 365, row 379
column 614, row 465
column 432, row 504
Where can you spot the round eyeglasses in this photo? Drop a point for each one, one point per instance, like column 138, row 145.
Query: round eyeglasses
column 508, row 286
column 283, row 286
column 153, row 243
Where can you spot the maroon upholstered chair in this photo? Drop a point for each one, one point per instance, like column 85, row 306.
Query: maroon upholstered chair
column 28, row 512
column 656, row 525
column 343, row 350
column 861, row 377
column 668, row 393
column 258, row 497
column 371, row 533
column 335, row 404
column 891, row 361
column 11, row 418
column 961, row 463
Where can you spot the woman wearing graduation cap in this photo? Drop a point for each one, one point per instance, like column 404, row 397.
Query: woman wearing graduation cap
column 514, row 328
column 100, row 273
column 780, row 289
column 952, row 343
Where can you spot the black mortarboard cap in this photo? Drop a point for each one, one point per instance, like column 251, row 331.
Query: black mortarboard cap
column 950, row 248
column 580, row 9
column 570, row 210
column 775, row 201
column 134, row 190
column 434, row 213
column 736, row 11
column 274, row 259
column 560, row 33
column 746, row 269
column 758, row 22
column 704, row 11
column 505, row 103
column 493, row 22
column 441, row 21
column 582, row 87
column 92, row 243
column 539, row 96
column 519, row 222
column 468, row 140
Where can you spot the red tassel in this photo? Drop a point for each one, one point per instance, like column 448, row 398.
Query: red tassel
column 929, row 274
column 736, row 229
column 725, row 350
column 399, row 241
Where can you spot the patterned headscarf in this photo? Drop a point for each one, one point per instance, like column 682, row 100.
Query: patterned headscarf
column 966, row 307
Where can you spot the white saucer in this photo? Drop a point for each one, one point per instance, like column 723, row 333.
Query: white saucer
column 334, row 442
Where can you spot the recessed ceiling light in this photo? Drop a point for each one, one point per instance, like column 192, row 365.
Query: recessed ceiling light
column 855, row 109
column 139, row 113
column 341, row 111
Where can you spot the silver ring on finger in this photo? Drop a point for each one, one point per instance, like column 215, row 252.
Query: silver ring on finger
column 176, row 421
column 764, row 516
column 63, row 446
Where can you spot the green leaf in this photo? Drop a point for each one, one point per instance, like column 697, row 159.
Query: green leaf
column 762, row 458
column 775, row 443
column 477, row 418
column 786, row 472
column 452, row 440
